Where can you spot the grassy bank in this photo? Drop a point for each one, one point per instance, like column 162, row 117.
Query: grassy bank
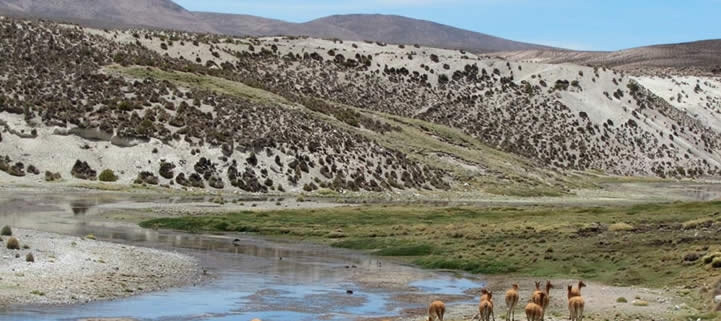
column 634, row 245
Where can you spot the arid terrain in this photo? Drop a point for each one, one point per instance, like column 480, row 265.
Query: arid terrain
column 464, row 153
column 303, row 114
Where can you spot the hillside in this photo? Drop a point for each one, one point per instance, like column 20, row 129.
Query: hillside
column 700, row 57
column 301, row 114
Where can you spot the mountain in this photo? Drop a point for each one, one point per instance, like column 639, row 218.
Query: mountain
column 247, row 25
column 397, row 29
column 375, row 27
column 165, row 14
column 691, row 57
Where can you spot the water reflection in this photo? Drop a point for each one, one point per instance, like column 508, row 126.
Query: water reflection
column 253, row 278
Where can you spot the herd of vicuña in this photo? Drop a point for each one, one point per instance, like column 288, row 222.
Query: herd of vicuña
column 535, row 309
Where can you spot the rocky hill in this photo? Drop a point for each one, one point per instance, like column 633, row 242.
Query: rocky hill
column 166, row 14
column 293, row 114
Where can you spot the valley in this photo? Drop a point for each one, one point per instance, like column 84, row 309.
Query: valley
column 367, row 177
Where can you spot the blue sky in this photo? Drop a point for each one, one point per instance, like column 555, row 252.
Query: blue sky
column 574, row 24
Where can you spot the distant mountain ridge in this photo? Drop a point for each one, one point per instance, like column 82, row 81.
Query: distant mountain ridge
column 691, row 57
column 163, row 14
column 166, row 14
column 376, row 27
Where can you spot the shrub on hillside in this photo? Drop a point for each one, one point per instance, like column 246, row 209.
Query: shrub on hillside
column 6, row 231
column 442, row 79
column 52, row 177
column 108, row 176
column 13, row 244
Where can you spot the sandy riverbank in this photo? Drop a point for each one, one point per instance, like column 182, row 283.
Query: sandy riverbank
column 69, row 270
column 601, row 302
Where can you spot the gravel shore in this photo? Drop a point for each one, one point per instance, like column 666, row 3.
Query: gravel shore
column 71, row 270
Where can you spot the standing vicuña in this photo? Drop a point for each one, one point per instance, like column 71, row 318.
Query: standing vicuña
column 511, row 301
column 575, row 306
column 485, row 308
column 534, row 311
column 544, row 300
column 436, row 311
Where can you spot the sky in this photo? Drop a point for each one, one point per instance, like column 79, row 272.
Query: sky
column 572, row 24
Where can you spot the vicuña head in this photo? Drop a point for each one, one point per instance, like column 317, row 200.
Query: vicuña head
column 576, row 291
column 548, row 286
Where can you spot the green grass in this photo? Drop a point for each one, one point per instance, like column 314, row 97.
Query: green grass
column 409, row 250
column 528, row 241
column 203, row 82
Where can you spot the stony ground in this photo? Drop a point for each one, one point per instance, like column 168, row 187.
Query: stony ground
column 601, row 303
column 70, row 269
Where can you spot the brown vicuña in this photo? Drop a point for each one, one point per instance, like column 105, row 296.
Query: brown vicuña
column 576, row 291
column 544, row 300
column 485, row 308
column 436, row 311
column 534, row 311
column 576, row 305
column 511, row 302
column 485, row 295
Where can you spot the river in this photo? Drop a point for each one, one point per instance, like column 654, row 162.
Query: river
column 250, row 278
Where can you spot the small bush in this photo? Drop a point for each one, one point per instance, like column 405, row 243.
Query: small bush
column 90, row 237
column 13, row 244
column 108, row 176
column 621, row 300
column 6, row 231
column 442, row 79
column 52, row 177
column 710, row 257
column 29, row 258
column 716, row 263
